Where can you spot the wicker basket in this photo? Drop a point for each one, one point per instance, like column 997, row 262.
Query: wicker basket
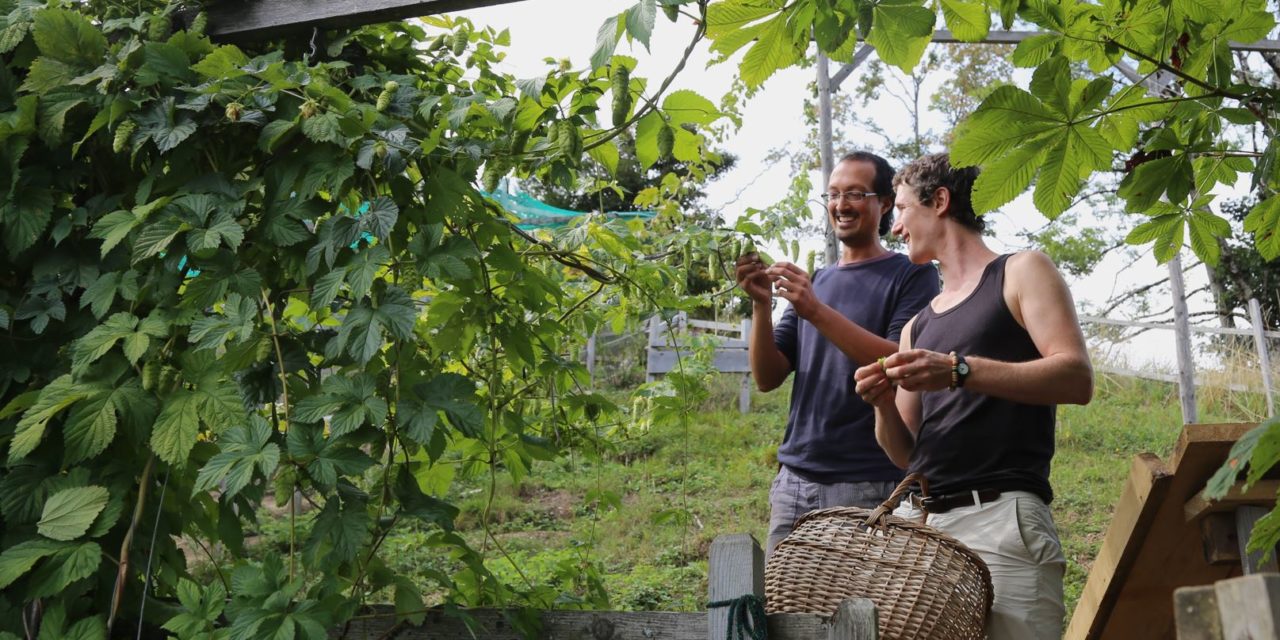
column 925, row 584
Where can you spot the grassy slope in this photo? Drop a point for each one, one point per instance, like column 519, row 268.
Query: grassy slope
column 718, row 468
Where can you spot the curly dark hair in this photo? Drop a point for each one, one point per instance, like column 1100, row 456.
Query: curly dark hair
column 928, row 173
column 883, row 184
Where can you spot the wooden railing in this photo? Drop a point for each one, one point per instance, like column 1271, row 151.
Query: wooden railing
column 735, row 569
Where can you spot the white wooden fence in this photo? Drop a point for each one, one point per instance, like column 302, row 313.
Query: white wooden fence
column 669, row 342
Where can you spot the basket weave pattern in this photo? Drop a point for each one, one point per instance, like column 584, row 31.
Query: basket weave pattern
column 925, row 584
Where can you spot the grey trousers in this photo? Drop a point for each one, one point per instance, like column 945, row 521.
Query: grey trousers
column 1016, row 537
column 791, row 496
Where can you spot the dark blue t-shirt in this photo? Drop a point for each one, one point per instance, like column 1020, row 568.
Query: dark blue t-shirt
column 831, row 431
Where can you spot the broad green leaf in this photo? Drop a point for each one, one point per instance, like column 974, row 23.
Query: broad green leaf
column 969, row 21
column 223, row 63
column 326, row 288
column 54, row 398
column 1198, row 10
column 773, row 50
column 113, row 228
column 688, row 107
column 1051, row 83
column 26, row 218
column 647, row 138
column 53, row 116
column 174, row 432
column 322, row 127
column 243, row 449
column 1206, row 228
column 156, row 238
column 343, row 525
column 607, row 155
column 900, row 31
column 1146, row 183
column 607, row 41
column 1059, row 177
column 1237, row 459
column 1263, row 221
column 90, row 428
column 99, row 295
column 639, row 21
column 1006, row 178
column 325, row 459
column 69, row 37
column 65, row 567
column 165, row 125
column 380, row 218
column 18, row 559
column 99, row 340
column 68, row 513
column 1033, row 51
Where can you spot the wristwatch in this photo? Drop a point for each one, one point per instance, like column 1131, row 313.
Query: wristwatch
column 959, row 370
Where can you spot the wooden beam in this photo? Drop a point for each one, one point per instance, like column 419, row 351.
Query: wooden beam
column 1261, row 494
column 1196, row 613
column 1219, row 540
column 496, row 624
column 232, row 20
column 1148, row 482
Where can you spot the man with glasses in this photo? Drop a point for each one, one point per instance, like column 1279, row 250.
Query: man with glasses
column 843, row 317
column 969, row 400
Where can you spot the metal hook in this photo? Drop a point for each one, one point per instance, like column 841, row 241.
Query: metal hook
column 315, row 32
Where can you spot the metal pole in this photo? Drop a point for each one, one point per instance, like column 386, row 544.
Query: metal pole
column 1182, row 331
column 825, row 150
column 1264, row 356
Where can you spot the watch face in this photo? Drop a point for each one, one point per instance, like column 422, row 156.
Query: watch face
column 963, row 368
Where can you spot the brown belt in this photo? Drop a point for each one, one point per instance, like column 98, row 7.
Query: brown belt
column 945, row 503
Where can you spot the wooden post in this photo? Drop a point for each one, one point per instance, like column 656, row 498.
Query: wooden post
column 1246, row 518
column 855, row 619
column 1264, row 355
column 825, row 150
column 655, row 332
column 591, row 357
column 1249, row 607
column 1186, row 365
column 744, row 396
column 1195, row 613
column 735, row 569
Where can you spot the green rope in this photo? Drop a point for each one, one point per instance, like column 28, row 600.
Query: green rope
column 746, row 615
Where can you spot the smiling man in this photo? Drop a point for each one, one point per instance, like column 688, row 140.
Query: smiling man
column 969, row 400
column 845, row 316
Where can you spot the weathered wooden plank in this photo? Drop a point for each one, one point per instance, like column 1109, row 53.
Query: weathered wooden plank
column 232, row 20
column 1219, row 541
column 1148, row 480
column 855, row 620
column 1249, row 607
column 1195, row 612
column 1251, row 561
column 725, row 361
column 1166, row 552
column 1261, row 494
column 494, row 624
column 735, row 567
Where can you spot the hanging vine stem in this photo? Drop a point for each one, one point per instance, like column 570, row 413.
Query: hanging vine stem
column 494, row 411
column 122, row 572
column 284, row 389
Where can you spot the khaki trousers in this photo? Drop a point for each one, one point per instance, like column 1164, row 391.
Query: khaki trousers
column 1016, row 537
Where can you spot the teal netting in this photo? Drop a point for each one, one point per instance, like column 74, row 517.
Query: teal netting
column 535, row 214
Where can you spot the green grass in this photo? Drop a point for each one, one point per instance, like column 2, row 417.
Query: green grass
column 680, row 486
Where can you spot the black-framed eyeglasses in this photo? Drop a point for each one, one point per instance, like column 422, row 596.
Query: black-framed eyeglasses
column 847, row 196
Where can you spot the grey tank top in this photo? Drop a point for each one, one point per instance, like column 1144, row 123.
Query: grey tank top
column 973, row 441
